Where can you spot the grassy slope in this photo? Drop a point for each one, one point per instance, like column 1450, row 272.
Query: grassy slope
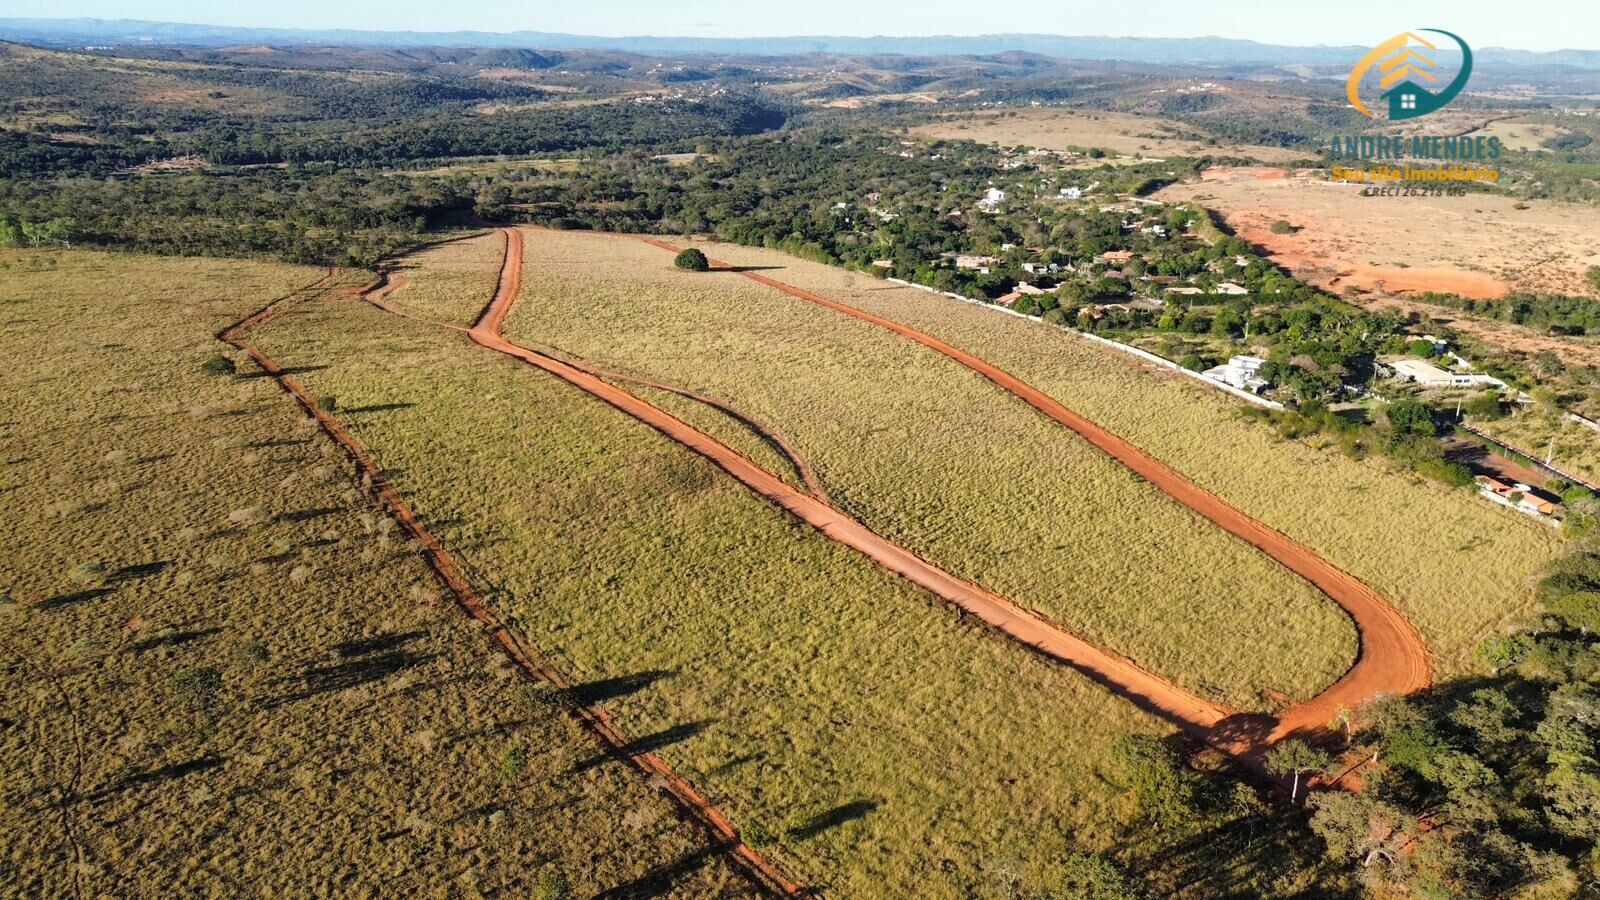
column 863, row 732
column 452, row 281
column 358, row 741
column 935, row 457
column 1459, row 567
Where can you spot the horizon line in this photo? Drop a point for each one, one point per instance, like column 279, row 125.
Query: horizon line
column 746, row 37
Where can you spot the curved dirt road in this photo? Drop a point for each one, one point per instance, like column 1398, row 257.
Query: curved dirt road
column 595, row 719
column 1119, row 674
column 389, row 285
column 1391, row 658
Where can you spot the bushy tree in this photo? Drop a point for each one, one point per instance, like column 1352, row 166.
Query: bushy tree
column 218, row 365
column 1296, row 758
column 1410, row 417
column 1086, row 876
column 693, row 260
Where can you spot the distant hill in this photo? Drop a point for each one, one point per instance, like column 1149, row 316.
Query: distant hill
column 1199, row 50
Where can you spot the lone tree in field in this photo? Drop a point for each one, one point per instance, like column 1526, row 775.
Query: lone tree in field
column 693, row 260
column 218, row 365
column 1296, row 758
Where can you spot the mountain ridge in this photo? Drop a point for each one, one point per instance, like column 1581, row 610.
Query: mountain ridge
column 79, row 32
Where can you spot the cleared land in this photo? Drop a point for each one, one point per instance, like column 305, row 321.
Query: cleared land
column 805, row 691
column 1573, row 447
column 935, row 458
column 1066, row 129
column 1459, row 568
column 1345, row 240
column 1521, row 135
column 210, row 635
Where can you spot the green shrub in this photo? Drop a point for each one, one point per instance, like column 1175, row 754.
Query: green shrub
column 513, row 762
column 88, row 574
column 1486, row 405
column 197, row 689
column 1193, row 363
column 693, row 260
column 218, row 365
column 1085, row 876
column 1410, row 417
column 552, row 885
column 1448, row 472
column 328, row 403
column 1283, row 227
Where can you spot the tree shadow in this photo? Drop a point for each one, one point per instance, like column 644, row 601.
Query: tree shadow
column 376, row 644
column 143, row 570
column 306, row 515
column 737, row 761
column 173, row 639
column 277, row 442
column 158, row 776
column 833, row 818
column 62, row 600
column 286, row 370
column 650, row 743
column 594, row 693
column 746, row 268
column 663, row 879
column 346, row 675
column 376, row 408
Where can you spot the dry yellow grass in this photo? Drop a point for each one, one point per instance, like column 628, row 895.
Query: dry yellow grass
column 1063, row 129
column 939, row 460
column 263, row 687
column 1459, row 567
column 1517, row 135
column 861, row 732
column 1572, row 447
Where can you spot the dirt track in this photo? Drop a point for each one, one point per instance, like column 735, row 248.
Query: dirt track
column 1121, row 675
column 390, row 285
column 1392, row 657
column 594, row 718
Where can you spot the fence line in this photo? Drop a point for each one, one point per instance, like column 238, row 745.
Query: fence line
column 1116, row 345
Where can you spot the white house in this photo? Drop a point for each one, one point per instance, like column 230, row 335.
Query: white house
column 1231, row 289
column 1429, row 375
column 992, row 199
column 1242, row 372
column 1071, row 193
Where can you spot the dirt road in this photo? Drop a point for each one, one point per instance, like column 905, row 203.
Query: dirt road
column 1392, row 657
column 1121, row 675
column 389, row 285
column 595, row 719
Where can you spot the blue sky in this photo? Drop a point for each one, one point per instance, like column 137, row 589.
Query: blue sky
column 1534, row 26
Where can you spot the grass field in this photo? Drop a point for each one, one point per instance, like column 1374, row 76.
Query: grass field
column 1065, row 129
column 223, row 672
column 1457, row 566
column 805, row 691
column 939, row 460
column 1572, row 447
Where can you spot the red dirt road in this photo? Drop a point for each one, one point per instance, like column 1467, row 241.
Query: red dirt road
column 1121, row 675
column 389, row 285
column 1392, row 657
column 594, row 718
